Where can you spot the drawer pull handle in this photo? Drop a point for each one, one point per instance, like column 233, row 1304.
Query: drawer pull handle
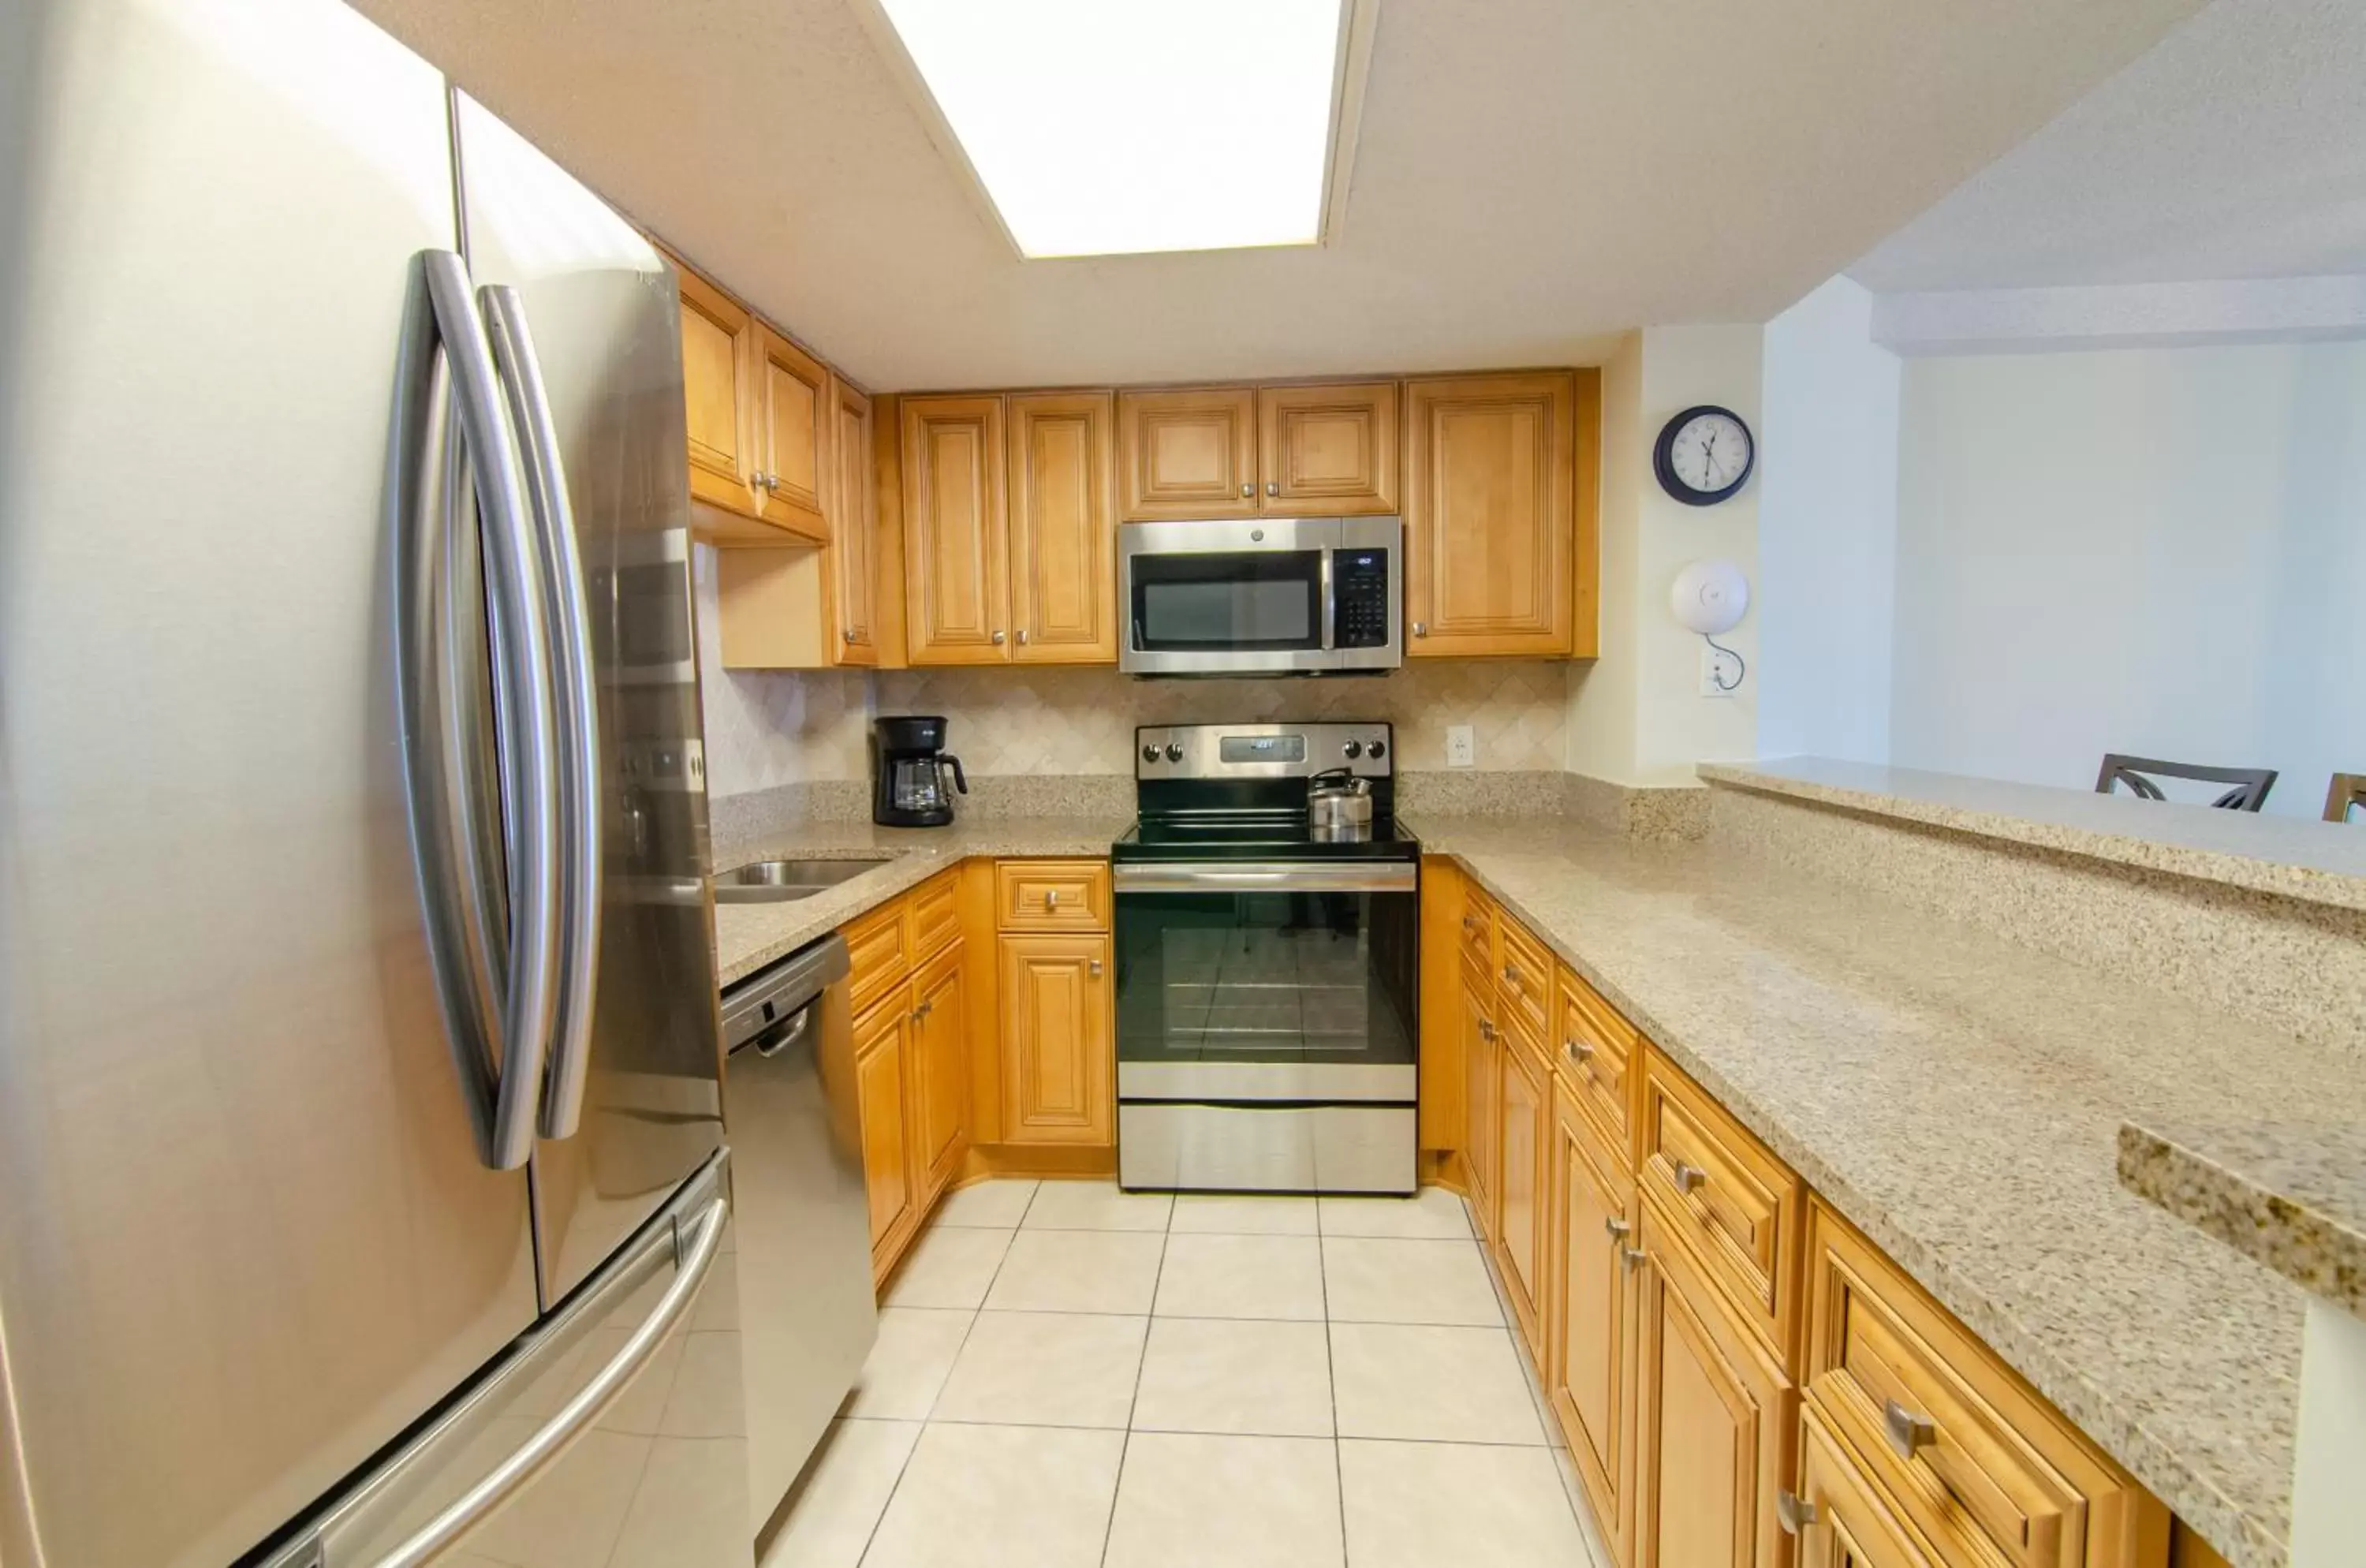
column 1486, row 1030
column 1907, row 1432
column 1050, row 898
column 1794, row 1513
column 1617, row 1228
column 1094, row 968
column 1631, row 1256
column 1512, row 976
column 1469, row 924
column 1579, row 1051
column 1689, row 1176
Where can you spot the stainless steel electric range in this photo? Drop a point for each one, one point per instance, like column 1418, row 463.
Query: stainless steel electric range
column 1266, row 970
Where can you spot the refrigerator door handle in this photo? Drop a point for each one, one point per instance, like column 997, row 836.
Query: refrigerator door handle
column 497, row 988
column 568, row 615
column 694, row 1255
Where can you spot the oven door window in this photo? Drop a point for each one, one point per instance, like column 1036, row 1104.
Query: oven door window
column 1256, row 599
column 1306, row 978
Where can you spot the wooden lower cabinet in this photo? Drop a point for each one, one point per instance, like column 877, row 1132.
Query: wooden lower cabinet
column 1588, row 1365
column 882, row 1088
column 1059, row 1067
column 1715, row 1414
column 1480, row 1092
column 1523, row 1100
column 941, row 1061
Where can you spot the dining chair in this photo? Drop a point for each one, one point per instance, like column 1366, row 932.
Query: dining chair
column 2250, row 791
column 2348, row 790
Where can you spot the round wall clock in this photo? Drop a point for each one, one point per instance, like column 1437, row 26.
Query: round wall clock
column 1703, row 456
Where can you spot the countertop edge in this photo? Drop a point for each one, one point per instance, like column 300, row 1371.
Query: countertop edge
column 2305, row 884
column 2154, row 1464
column 2314, row 1250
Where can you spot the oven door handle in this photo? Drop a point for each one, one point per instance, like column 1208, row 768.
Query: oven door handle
column 1183, row 876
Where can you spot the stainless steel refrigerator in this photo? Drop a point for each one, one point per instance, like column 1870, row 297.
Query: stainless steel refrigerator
column 363, row 1187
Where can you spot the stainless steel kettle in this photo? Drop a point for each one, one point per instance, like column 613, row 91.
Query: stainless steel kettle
column 1338, row 806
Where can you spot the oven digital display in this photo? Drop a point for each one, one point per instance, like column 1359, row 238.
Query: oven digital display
column 1261, row 748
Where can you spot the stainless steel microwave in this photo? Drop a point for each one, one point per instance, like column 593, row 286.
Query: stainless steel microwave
column 1262, row 596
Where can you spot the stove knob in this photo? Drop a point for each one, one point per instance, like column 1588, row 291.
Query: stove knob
column 1175, row 750
column 1354, row 749
column 1377, row 748
column 1150, row 753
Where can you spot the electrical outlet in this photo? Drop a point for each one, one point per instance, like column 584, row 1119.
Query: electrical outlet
column 1461, row 750
column 1720, row 672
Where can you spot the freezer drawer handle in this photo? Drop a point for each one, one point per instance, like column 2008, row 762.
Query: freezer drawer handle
column 696, row 1257
column 568, row 614
column 497, row 979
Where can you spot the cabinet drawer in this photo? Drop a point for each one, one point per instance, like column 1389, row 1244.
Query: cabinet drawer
column 1599, row 1055
column 877, row 954
column 1524, row 974
column 1978, row 1463
column 1479, row 930
column 1052, row 894
column 1741, row 1206
column 932, row 916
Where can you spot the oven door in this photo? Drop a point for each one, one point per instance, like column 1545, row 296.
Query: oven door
column 1245, row 983
column 1228, row 598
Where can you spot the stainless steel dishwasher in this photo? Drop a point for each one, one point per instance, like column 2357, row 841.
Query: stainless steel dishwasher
column 807, row 1315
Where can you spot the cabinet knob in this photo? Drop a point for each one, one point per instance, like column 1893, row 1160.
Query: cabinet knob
column 848, row 634
column 1022, row 637
column 1421, row 628
column 1617, row 1228
column 1271, row 488
column 1688, row 1175
column 997, row 639
column 1907, row 1431
column 1792, row 1512
column 1248, row 489
column 1579, row 1051
column 1470, row 923
column 1632, row 1255
column 1512, row 976
column 1051, row 896
column 1094, row 968
column 1486, row 1030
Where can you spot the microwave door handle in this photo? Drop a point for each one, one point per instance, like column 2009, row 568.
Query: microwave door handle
column 1330, row 605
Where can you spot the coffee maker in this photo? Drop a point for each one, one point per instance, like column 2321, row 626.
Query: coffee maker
column 907, row 764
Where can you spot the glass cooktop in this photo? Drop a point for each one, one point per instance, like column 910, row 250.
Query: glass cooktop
column 1255, row 835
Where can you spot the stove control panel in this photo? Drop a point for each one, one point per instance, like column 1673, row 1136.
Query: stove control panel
column 1263, row 751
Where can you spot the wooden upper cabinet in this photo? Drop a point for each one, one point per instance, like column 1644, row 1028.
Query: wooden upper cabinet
column 1187, row 453
column 795, row 418
column 717, row 349
column 1059, row 1062
column 1063, row 534
column 854, row 531
column 1490, row 521
column 1327, row 450
column 956, row 583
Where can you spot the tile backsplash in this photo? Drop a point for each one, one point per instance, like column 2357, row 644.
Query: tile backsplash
column 765, row 729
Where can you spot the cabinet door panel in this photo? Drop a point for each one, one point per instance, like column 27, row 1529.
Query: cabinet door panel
column 1488, row 524
column 797, row 421
column 717, row 336
column 1059, row 1072
column 940, row 1055
column 882, row 1090
column 1519, row 1167
column 853, row 532
column 1187, row 454
column 957, row 595
column 1713, row 1413
column 1327, row 451
column 1591, row 1314
column 1853, row 1526
column 1063, row 533
column 1481, row 1093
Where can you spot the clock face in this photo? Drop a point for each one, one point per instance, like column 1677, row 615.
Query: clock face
column 1710, row 452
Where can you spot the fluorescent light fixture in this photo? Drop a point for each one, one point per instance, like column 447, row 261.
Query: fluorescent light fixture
column 1100, row 127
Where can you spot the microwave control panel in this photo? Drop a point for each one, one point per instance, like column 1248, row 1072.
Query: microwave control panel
column 1359, row 591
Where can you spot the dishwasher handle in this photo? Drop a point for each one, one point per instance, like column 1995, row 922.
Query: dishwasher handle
column 790, row 1031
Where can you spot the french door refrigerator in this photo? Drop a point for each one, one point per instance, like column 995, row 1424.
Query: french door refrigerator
column 363, row 1187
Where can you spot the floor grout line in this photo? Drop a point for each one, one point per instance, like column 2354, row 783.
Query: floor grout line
column 1331, row 1376
column 1125, row 1445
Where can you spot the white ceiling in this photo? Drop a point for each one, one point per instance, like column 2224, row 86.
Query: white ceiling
column 2235, row 149
column 1532, row 175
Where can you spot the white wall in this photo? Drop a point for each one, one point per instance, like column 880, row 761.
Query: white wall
column 1826, row 529
column 2160, row 552
column 1601, row 727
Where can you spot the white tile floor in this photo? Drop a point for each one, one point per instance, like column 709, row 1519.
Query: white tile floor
column 1068, row 1374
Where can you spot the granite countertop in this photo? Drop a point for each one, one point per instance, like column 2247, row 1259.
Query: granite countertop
column 2289, row 1191
column 2321, row 862
column 749, row 936
column 1960, row 1099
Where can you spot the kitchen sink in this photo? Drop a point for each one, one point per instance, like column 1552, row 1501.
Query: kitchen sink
column 778, row 881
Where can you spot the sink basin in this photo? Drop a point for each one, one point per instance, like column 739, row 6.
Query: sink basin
column 778, row 881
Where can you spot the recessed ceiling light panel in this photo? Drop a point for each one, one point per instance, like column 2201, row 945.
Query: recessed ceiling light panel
column 1099, row 126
